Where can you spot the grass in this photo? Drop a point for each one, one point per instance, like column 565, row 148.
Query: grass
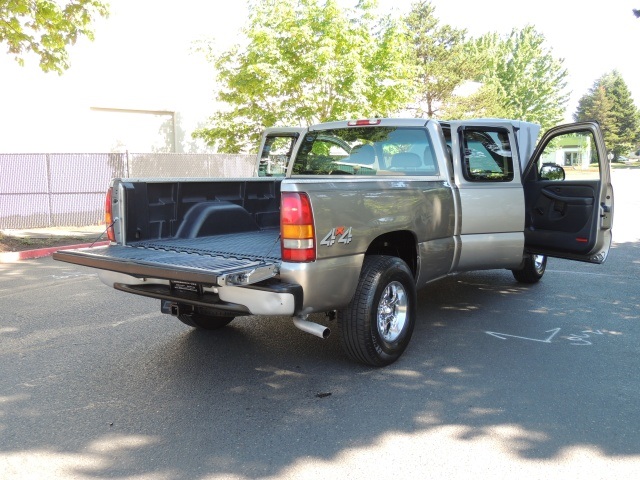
column 11, row 243
column 632, row 165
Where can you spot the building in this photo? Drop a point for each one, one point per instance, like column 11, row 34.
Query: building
column 141, row 86
column 571, row 151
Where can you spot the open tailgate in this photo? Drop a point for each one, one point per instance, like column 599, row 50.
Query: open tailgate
column 221, row 260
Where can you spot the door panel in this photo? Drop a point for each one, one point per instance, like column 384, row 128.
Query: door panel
column 569, row 215
column 487, row 174
column 567, row 208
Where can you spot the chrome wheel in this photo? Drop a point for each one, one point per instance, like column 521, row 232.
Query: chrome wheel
column 539, row 263
column 532, row 269
column 376, row 326
column 392, row 311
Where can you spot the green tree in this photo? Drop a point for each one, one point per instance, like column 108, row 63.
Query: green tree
column 625, row 114
column 442, row 61
column 486, row 102
column 609, row 102
column 306, row 61
column 597, row 106
column 46, row 28
column 529, row 81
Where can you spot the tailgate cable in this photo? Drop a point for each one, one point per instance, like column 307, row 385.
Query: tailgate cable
column 270, row 249
column 105, row 231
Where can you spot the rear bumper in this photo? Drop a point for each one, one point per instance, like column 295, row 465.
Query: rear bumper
column 269, row 297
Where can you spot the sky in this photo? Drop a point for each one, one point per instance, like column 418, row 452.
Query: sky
column 143, row 57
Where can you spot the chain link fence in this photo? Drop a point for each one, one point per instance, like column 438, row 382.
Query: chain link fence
column 68, row 189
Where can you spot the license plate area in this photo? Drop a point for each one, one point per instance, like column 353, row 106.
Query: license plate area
column 190, row 287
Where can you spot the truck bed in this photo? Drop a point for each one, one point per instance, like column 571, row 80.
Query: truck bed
column 258, row 245
column 210, row 232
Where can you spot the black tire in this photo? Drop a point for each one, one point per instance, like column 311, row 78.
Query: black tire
column 366, row 323
column 205, row 320
column 532, row 269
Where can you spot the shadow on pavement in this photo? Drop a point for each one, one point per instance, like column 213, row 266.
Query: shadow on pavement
column 129, row 392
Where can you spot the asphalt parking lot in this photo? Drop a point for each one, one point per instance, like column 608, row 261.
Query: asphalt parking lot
column 499, row 381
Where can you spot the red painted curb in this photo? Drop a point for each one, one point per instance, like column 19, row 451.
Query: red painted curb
column 10, row 257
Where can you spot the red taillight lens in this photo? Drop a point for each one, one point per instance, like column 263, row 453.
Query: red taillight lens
column 296, row 228
column 108, row 216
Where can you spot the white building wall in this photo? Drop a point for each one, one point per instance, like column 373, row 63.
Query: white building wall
column 142, row 59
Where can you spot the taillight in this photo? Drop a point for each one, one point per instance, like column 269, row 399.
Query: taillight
column 108, row 216
column 296, row 228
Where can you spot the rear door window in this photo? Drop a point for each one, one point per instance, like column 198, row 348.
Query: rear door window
column 486, row 155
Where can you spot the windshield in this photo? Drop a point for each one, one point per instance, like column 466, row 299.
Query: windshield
column 366, row 151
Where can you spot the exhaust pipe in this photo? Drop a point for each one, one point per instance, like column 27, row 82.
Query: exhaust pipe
column 316, row 329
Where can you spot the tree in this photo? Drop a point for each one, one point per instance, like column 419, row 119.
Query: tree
column 486, row 102
column 529, row 81
column 442, row 61
column 46, row 28
column 598, row 107
column 625, row 114
column 609, row 102
column 518, row 76
column 306, row 61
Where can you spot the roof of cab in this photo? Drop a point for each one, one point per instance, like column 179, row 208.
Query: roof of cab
column 526, row 132
column 383, row 122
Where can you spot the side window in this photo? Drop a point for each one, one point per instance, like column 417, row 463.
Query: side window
column 570, row 156
column 275, row 155
column 486, row 155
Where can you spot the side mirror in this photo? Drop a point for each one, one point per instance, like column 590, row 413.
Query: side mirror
column 552, row 171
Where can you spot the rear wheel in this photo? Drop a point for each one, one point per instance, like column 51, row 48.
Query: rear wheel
column 377, row 325
column 205, row 319
column 532, row 269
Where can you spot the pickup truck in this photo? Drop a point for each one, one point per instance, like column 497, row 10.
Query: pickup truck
column 351, row 217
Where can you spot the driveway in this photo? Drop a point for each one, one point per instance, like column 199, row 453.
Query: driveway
column 500, row 381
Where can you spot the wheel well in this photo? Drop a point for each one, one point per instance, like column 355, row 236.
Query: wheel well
column 400, row 244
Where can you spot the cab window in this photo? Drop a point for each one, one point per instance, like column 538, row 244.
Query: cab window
column 366, row 151
column 570, row 156
column 486, row 155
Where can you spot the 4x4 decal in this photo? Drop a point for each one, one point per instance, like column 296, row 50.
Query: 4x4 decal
column 339, row 234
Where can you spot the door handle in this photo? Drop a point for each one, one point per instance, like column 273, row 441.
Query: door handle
column 569, row 200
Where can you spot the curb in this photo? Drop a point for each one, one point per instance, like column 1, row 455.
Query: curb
column 13, row 257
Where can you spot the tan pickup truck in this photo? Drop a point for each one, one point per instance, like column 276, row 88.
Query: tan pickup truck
column 351, row 217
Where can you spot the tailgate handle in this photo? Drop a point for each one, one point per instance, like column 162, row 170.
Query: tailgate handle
column 247, row 277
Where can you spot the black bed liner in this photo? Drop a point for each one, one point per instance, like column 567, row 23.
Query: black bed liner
column 230, row 259
column 258, row 245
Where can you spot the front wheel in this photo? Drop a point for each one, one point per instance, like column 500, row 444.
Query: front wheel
column 377, row 325
column 531, row 270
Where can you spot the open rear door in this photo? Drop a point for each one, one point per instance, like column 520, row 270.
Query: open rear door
column 568, row 195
